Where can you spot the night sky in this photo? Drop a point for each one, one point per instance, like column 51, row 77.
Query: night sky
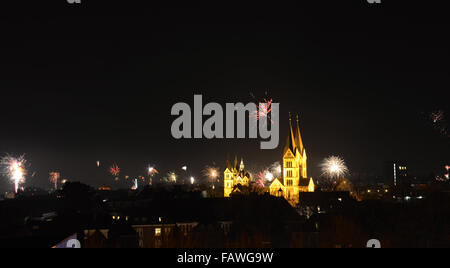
column 97, row 82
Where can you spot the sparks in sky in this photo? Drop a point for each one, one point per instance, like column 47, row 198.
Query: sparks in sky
column 445, row 178
column 135, row 185
column 333, row 167
column 54, row 177
column 437, row 116
column 260, row 183
column 172, row 177
column 263, row 111
column 14, row 168
column 211, row 172
column 260, row 175
column 264, row 175
column 114, row 170
column 152, row 171
column 439, row 121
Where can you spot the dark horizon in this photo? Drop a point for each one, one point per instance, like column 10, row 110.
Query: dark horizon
column 98, row 82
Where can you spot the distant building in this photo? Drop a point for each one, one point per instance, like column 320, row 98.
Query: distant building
column 395, row 173
column 200, row 223
column 235, row 175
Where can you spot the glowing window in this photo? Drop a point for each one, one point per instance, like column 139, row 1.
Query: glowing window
column 157, row 231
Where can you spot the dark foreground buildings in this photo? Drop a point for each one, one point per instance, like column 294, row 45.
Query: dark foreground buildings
column 185, row 219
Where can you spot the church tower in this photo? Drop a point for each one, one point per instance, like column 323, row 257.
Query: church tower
column 295, row 178
column 228, row 180
column 234, row 176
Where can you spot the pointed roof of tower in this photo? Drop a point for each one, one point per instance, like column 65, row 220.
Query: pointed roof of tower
column 228, row 162
column 298, row 138
column 290, row 142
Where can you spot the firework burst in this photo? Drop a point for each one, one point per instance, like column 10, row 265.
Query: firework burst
column 14, row 168
column 212, row 173
column 54, row 177
column 446, row 176
column 439, row 121
column 264, row 111
column 333, row 167
column 114, row 170
column 264, row 175
column 152, row 171
column 437, row 116
column 260, row 183
column 260, row 175
column 171, row 177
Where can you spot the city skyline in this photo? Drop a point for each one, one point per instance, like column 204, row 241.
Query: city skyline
column 224, row 133
column 365, row 92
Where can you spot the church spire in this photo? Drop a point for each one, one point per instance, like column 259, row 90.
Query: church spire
column 290, row 143
column 298, row 138
column 228, row 162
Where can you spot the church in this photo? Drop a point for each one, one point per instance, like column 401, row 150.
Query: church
column 235, row 175
column 294, row 178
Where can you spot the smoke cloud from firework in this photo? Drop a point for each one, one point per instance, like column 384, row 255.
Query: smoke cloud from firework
column 275, row 169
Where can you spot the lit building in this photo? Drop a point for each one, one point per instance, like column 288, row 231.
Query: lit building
column 395, row 173
column 295, row 179
column 235, row 175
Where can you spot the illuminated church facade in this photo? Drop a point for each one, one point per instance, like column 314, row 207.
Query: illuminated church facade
column 235, row 175
column 294, row 179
